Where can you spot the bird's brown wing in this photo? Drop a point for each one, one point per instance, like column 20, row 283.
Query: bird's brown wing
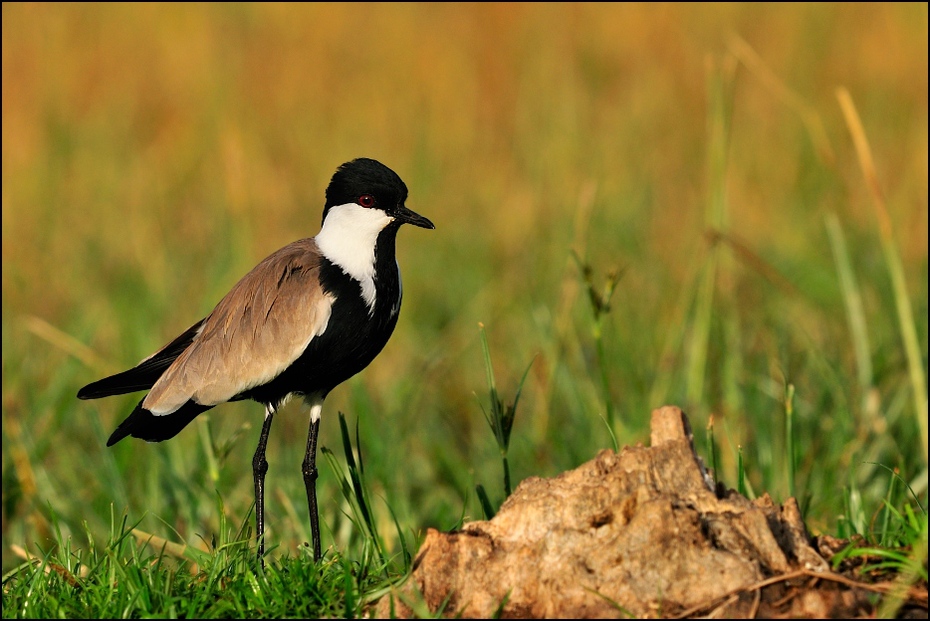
column 262, row 326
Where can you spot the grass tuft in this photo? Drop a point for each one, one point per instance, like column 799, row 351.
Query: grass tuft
column 500, row 418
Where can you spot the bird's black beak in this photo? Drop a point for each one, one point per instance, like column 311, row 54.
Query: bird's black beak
column 407, row 216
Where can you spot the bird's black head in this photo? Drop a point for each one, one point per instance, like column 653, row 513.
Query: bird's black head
column 372, row 185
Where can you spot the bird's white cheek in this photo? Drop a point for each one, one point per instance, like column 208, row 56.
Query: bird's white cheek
column 348, row 239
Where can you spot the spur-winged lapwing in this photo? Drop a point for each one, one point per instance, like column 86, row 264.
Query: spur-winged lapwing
column 304, row 320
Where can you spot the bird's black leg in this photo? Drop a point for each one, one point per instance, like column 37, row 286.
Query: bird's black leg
column 310, row 475
column 259, row 468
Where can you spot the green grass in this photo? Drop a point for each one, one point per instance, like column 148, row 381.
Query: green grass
column 129, row 576
column 759, row 241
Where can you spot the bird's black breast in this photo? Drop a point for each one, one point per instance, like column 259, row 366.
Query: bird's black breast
column 352, row 339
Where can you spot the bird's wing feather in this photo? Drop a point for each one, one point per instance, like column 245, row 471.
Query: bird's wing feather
column 262, row 326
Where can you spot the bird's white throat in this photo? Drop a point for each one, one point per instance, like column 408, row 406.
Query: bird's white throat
column 348, row 239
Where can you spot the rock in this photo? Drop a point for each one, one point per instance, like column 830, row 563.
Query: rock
column 641, row 532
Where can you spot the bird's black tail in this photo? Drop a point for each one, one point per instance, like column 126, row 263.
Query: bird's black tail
column 144, row 375
column 154, row 428
column 133, row 380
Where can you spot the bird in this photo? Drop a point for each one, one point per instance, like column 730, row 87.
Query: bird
column 307, row 318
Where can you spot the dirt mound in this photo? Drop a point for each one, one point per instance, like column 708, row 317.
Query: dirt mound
column 642, row 532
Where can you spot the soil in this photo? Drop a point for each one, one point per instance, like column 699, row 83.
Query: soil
column 642, row 533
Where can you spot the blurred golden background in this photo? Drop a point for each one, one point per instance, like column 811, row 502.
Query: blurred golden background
column 152, row 154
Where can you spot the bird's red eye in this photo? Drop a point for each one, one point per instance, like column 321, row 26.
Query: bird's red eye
column 366, row 200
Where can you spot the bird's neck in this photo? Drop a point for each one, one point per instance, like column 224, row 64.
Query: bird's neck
column 367, row 257
column 385, row 283
column 349, row 236
column 360, row 242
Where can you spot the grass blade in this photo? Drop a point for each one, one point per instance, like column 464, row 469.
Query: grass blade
column 486, row 505
column 893, row 261
column 720, row 85
column 789, row 439
column 852, row 298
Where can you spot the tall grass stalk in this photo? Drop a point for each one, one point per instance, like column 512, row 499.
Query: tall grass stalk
column 674, row 338
column 852, row 298
column 893, row 261
column 561, row 325
column 789, row 440
column 357, row 496
column 720, row 78
column 740, row 472
column 499, row 417
column 206, row 445
column 788, row 96
column 712, row 448
column 356, row 474
column 600, row 308
column 887, row 513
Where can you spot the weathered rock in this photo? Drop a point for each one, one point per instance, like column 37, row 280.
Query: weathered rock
column 638, row 533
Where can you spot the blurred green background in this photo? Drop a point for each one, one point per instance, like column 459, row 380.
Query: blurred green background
column 152, row 154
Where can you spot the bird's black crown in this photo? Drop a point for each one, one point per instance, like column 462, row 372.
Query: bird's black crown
column 365, row 176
